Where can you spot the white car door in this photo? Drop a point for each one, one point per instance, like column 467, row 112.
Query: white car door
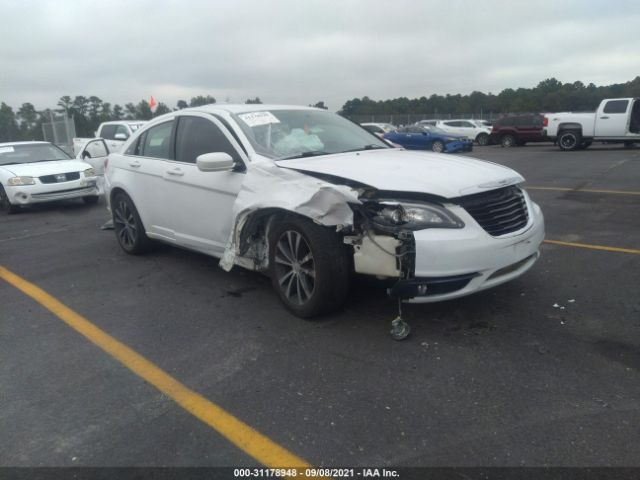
column 95, row 153
column 145, row 163
column 612, row 120
column 451, row 126
column 200, row 203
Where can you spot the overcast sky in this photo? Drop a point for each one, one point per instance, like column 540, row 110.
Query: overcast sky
column 303, row 51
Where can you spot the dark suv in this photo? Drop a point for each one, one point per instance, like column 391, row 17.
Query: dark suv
column 518, row 130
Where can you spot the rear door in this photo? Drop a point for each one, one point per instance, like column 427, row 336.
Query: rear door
column 612, row 119
column 200, row 203
column 146, row 162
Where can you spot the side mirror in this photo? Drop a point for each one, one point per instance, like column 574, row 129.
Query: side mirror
column 215, row 162
column 120, row 136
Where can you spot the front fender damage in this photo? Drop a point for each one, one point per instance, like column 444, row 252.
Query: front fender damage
column 271, row 188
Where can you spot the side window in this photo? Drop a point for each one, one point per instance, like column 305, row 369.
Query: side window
column 467, row 124
column 122, row 129
column 108, row 132
column 157, row 141
column 196, row 136
column 452, row 124
column 616, row 106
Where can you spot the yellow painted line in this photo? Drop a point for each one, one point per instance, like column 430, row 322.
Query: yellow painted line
column 594, row 247
column 585, row 190
column 253, row 443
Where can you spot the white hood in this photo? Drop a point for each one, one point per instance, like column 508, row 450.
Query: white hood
column 444, row 175
column 38, row 169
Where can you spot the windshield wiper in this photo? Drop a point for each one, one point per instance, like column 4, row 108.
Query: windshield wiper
column 371, row 146
column 310, row 153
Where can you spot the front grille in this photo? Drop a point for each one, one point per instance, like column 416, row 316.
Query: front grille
column 57, row 178
column 499, row 211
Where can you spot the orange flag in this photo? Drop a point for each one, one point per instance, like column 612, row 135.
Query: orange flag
column 153, row 104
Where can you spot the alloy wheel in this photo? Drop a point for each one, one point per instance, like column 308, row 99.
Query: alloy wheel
column 295, row 267
column 125, row 224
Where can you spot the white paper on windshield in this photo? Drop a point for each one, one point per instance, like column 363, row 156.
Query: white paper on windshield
column 6, row 149
column 254, row 119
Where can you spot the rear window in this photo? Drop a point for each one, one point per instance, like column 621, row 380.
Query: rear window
column 507, row 121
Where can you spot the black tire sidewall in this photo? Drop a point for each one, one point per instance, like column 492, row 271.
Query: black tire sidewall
column 437, row 142
column 330, row 263
column 482, row 139
column 507, row 141
column 577, row 140
column 142, row 242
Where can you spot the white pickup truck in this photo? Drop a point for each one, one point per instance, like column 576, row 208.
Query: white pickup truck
column 617, row 120
column 114, row 133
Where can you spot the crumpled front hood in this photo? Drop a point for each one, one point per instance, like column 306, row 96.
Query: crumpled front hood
column 38, row 169
column 410, row 171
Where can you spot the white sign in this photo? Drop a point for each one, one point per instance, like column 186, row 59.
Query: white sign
column 255, row 119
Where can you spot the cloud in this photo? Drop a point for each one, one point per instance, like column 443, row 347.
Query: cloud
column 300, row 52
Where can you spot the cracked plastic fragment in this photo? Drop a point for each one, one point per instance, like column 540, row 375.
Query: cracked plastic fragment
column 269, row 186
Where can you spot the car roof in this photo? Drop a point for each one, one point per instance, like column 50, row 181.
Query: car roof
column 245, row 107
column 10, row 144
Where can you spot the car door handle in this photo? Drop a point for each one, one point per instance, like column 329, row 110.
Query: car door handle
column 176, row 172
column 135, row 164
column 604, row 118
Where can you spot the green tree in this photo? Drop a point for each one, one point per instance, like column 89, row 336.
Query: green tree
column 9, row 131
column 181, row 105
column 200, row 100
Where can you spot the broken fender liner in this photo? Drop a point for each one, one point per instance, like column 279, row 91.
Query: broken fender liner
column 269, row 186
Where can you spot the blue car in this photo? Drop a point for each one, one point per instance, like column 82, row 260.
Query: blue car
column 426, row 137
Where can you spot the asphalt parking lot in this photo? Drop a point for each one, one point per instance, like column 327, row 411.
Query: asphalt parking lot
column 542, row 371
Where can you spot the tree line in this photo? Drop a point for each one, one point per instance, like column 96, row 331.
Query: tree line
column 549, row 95
column 88, row 113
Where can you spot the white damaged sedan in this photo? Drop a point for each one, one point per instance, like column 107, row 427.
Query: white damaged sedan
column 35, row 172
column 307, row 197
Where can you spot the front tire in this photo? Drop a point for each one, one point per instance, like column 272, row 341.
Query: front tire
column 437, row 146
column 569, row 140
column 129, row 229
column 5, row 203
column 309, row 267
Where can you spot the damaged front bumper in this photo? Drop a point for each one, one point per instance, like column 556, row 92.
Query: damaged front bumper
column 437, row 264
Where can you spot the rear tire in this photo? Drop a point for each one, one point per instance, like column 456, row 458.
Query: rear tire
column 507, row 141
column 309, row 267
column 129, row 229
column 569, row 140
column 437, row 146
column 482, row 139
column 5, row 203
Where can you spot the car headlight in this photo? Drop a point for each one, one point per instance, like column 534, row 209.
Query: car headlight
column 13, row 181
column 89, row 172
column 418, row 216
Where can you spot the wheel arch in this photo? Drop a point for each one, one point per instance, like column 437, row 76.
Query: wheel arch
column 569, row 126
column 254, row 228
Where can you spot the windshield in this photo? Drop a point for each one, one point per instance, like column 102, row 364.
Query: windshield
column 29, row 153
column 285, row 134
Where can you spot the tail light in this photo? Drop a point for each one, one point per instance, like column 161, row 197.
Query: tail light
column 545, row 121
